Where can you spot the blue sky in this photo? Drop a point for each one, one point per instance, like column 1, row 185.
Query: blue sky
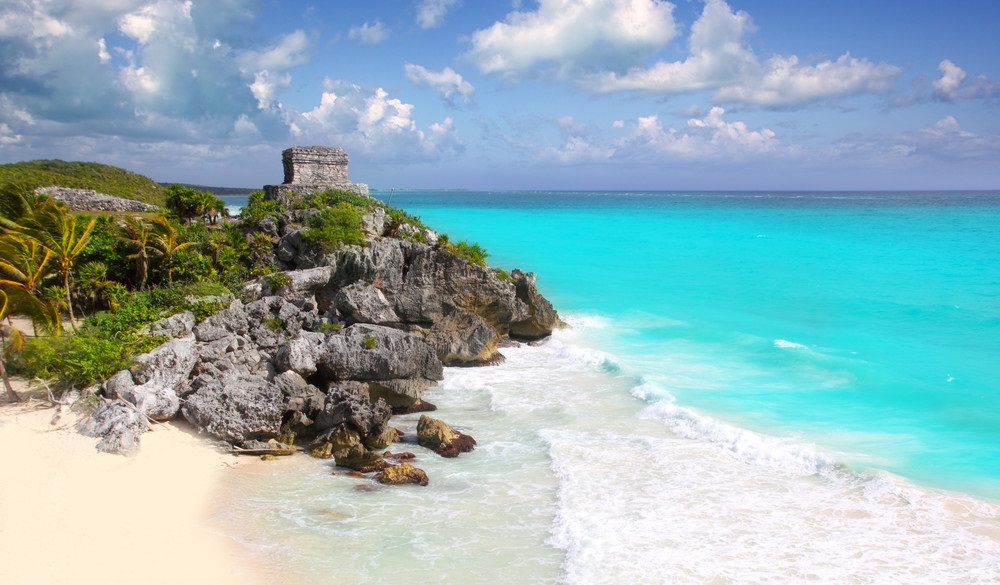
column 523, row 94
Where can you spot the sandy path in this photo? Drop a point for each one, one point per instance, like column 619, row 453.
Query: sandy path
column 69, row 514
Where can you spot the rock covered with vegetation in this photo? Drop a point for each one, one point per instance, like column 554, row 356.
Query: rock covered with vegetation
column 346, row 312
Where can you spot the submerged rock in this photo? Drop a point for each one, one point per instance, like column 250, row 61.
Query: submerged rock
column 402, row 474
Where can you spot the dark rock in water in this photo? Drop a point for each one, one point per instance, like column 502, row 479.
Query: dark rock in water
column 350, row 425
column 236, row 409
column 344, row 445
column 119, row 426
column 441, row 438
column 269, row 448
column 402, row 474
column 404, row 456
column 418, row 406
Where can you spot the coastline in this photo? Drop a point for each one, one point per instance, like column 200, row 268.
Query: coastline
column 73, row 515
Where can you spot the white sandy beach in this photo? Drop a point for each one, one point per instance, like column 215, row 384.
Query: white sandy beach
column 69, row 514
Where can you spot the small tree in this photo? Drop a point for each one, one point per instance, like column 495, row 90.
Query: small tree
column 166, row 244
column 188, row 203
column 136, row 234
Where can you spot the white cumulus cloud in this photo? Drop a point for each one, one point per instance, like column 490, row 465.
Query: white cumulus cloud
column 952, row 84
column 447, row 82
column 785, row 82
column 376, row 124
column 603, row 45
column 569, row 36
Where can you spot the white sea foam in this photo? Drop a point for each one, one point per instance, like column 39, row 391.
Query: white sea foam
column 785, row 344
column 586, row 474
column 637, row 508
column 747, row 446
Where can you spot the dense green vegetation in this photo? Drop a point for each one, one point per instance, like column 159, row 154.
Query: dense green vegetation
column 122, row 273
column 84, row 175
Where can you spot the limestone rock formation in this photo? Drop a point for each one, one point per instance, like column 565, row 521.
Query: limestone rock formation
column 326, row 353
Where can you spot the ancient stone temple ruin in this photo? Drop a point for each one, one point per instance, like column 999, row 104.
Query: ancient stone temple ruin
column 312, row 169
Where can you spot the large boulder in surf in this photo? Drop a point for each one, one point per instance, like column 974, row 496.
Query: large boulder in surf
column 439, row 437
column 402, row 474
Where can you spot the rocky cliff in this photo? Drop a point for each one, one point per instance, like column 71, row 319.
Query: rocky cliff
column 322, row 354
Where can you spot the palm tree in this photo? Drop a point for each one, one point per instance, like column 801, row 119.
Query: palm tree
column 23, row 265
column 11, row 341
column 166, row 244
column 136, row 234
column 18, row 200
column 56, row 229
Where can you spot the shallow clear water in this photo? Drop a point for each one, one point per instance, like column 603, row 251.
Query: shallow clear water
column 757, row 388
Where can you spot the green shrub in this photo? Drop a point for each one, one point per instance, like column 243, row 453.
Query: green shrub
column 474, row 253
column 258, row 208
column 139, row 310
column 278, row 280
column 505, row 276
column 336, row 226
column 274, row 323
column 73, row 360
column 329, row 327
column 370, row 342
column 203, row 310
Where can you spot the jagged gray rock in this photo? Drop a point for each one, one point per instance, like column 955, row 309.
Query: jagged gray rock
column 398, row 366
column 119, row 426
column 464, row 339
column 236, row 408
column 177, row 325
column 362, row 302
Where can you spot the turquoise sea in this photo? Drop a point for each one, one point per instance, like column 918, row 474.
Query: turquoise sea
column 755, row 388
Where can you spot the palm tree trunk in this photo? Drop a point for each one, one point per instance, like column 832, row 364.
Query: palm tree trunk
column 69, row 301
column 11, row 395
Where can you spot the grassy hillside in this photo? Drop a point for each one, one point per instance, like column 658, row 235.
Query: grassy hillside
column 84, row 175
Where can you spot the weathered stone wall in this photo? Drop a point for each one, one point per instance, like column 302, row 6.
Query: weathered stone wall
column 315, row 165
column 89, row 200
column 311, row 169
